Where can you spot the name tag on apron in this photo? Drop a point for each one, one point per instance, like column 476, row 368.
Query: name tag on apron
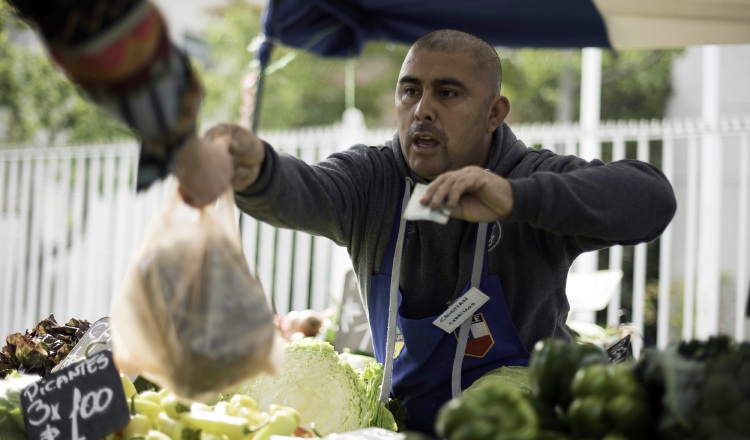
column 461, row 309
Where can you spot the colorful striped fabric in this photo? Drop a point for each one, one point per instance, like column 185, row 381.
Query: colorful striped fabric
column 119, row 53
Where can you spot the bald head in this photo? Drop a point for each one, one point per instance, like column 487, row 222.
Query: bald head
column 450, row 40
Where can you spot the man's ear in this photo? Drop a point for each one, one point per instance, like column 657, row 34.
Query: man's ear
column 498, row 112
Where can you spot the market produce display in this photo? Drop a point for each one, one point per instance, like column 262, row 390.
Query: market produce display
column 160, row 415
column 608, row 400
column 701, row 389
column 163, row 416
column 494, row 407
column 697, row 390
column 40, row 349
column 553, row 364
column 328, row 393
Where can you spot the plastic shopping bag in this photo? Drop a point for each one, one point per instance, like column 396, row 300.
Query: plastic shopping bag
column 190, row 316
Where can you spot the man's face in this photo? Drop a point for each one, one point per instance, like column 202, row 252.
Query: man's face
column 445, row 112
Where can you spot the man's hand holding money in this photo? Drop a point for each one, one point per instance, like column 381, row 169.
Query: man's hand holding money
column 470, row 194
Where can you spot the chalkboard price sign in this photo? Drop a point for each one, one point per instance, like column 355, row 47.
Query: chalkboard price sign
column 97, row 338
column 84, row 401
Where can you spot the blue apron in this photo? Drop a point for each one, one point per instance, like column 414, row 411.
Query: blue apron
column 424, row 354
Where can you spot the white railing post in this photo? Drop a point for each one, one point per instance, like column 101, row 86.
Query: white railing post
column 21, row 275
column 665, row 251
column 691, row 239
column 709, row 228
column 741, row 288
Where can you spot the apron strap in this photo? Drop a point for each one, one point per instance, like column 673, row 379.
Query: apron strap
column 463, row 335
column 390, row 341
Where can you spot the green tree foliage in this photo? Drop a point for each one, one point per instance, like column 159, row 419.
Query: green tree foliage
column 12, row 120
column 636, row 84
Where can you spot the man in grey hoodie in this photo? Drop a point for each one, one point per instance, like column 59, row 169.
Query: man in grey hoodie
column 447, row 303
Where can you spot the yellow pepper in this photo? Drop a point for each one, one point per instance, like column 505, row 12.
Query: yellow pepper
column 138, row 426
column 284, row 421
column 209, row 421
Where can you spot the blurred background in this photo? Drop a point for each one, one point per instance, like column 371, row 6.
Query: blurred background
column 39, row 106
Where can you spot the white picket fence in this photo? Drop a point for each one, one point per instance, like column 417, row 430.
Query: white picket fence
column 70, row 221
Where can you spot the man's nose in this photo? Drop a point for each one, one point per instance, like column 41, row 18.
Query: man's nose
column 425, row 110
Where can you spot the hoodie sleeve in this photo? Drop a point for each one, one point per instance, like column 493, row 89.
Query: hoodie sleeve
column 591, row 203
column 328, row 198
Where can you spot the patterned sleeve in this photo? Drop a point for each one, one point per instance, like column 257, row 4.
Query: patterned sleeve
column 119, row 53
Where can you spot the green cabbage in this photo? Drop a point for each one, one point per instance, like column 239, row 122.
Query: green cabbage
column 328, row 393
column 513, row 377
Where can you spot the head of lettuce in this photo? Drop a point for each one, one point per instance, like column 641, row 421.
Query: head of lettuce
column 330, row 395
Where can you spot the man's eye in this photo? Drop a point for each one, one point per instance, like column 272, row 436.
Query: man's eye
column 445, row 93
column 410, row 91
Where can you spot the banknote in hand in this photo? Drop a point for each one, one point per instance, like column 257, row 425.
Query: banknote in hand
column 417, row 211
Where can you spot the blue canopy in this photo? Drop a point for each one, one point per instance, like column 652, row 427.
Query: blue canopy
column 341, row 28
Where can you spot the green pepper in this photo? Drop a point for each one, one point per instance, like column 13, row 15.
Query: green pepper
column 609, row 401
column 587, row 418
column 550, row 417
column 451, row 416
column 552, row 435
column 554, row 363
column 492, row 411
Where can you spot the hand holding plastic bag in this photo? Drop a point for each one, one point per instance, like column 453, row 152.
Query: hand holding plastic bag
column 190, row 316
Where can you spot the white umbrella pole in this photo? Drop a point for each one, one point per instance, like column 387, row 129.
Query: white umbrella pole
column 590, row 114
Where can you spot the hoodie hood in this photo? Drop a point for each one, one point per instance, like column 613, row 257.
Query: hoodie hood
column 502, row 139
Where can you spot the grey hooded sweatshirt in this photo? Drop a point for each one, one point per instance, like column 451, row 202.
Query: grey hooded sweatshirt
column 563, row 206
